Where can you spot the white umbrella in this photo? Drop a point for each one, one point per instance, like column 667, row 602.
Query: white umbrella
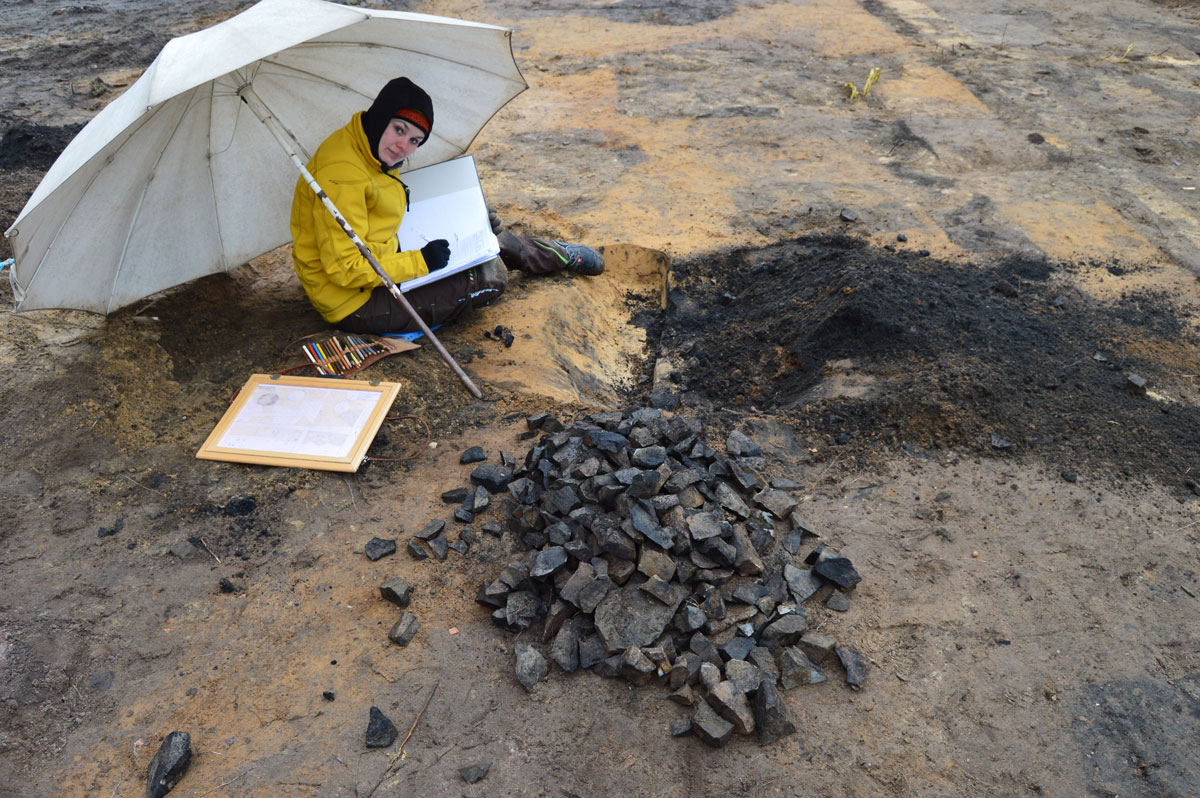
column 177, row 179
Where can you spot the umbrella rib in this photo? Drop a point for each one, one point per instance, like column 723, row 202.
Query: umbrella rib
column 360, row 45
column 137, row 212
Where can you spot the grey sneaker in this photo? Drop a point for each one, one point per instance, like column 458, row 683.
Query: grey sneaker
column 582, row 259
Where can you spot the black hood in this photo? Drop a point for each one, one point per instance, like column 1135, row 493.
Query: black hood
column 398, row 95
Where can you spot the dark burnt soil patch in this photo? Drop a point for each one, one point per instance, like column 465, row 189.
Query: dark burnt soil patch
column 1002, row 358
column 34, row 146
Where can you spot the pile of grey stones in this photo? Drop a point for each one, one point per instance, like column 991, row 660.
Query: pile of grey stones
column 651, row 557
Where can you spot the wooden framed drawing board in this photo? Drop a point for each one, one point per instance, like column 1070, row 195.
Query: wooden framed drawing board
column 303, row 422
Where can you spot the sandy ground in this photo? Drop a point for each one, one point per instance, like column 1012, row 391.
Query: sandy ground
column 1025, row 635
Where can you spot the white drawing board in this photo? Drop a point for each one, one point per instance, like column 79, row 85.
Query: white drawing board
column 304, row 422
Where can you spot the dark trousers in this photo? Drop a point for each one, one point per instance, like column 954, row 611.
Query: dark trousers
column 452, row 297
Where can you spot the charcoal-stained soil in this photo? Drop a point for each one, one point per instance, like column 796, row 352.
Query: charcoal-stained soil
column 1002, row 358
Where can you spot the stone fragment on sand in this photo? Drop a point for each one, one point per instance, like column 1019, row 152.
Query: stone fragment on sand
column 837, row 601
column 473, row 773
column 736, row 648
column 548, row 561
column 704, row 526
column 738, row 445
column 628, row 617
column 531, row 666
column 431, row 530
column 473, row 455
column 564, row 650
column 784, row 631
column 439, row 546
column 838, row 570
column 817, row 646
column 455, row 495
column 776, row 502
column 404, row 630
column 1136, row 384
column 168, row 764
column 796, row 669
column 381, row 732
column 848, row 215
column 681, row 727
column 396, row 590
column 999, row 443
column 378, row 547
column 742, row 675
column 855, row 665
column 494, row 478
column 732, row 705
column 770, row 714
column 636, row 667
column 684, row 696
column 710, row 727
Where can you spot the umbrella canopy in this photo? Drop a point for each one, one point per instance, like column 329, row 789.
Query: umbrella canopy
column 177, row 178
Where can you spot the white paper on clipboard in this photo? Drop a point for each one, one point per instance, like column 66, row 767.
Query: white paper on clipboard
column 446, row 201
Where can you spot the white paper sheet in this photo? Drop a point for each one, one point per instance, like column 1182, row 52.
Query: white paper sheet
column 288, row 419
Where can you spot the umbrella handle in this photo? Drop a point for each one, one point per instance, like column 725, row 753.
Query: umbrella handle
column 290, row 146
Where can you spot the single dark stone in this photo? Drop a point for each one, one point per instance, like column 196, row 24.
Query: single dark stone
column 796, row 669
column 705, row 525
column 1000, row 443
column 615, row 542
column 838, row 570
column 628, row 617
column 837, row 601
column 328, row 695
column 417, row 551
column 463, row 515
column 440, row 547
column 689, row 619
column 168, row 764
column 848, row 215
column 770, row 714
column 225, row 586
column 591, row 651
column 817, row 646
column 738, row 445
column 1070, row 476
column 378, row 547
column 1135, row 384
column 396, row 590
column 473, row 455
column 636, row 667
column 455, row 495
column 546, row 422
column 381, row 732
column 736, row 647
column 649, row 457
column 743, row 675
column 405, row 629
column 531, row 666
column 710, row 727
column 901, row 237
column 240, row 505
column 431, row 530
column 605, row 441
column 521, row 609
column 645, row 522
column 681, row 727
column 564, row 650
column 856, row 667
column 493, row 477
column 494, row 529
column 473, row 773
column 784, row 631
column 701, row 646
column 749, row 593
column 656, row 587
column 548, row 561
column 493, row 594
column 732, row 705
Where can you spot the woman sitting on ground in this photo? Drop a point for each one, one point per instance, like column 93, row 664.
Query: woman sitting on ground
column 357, row 166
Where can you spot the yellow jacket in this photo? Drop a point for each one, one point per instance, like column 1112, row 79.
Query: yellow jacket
column 335, row 275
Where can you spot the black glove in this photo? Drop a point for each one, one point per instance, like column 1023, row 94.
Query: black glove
column 494, row 221
column 436, row 253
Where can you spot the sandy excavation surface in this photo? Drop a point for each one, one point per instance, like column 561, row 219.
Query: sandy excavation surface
column 955, row 407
